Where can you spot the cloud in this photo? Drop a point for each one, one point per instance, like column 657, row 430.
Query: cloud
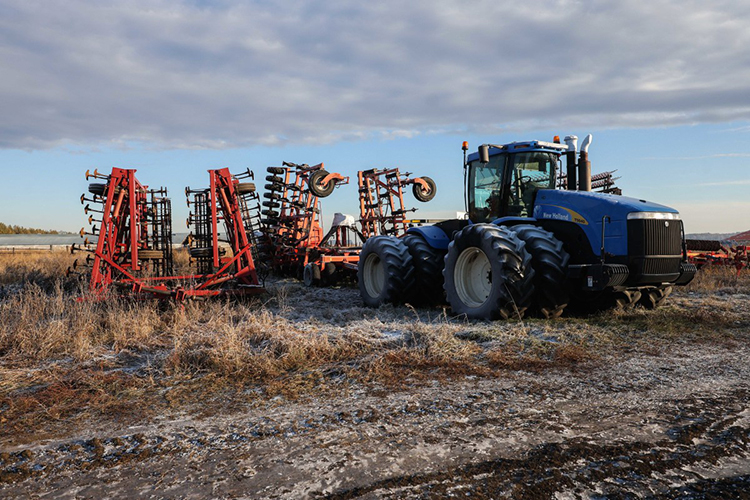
column 202, row 74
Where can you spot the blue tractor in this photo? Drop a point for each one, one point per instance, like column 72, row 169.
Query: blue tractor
column 527, row 246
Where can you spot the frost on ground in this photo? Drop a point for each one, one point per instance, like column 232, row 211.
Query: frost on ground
column 392, row 403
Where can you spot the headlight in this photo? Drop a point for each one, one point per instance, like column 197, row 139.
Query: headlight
column 654, row 215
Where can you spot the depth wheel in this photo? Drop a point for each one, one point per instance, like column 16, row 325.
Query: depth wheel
column 422, row 194
column 311, row 275
column 428, row 266
column 385, row 273
column 317, row 188
column 550, row 263
column 244, row 187
column 488, row 273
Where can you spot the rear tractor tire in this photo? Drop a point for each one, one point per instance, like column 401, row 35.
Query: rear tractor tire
column 488, row 273
column 385, row 272
column 550, row 263
column 428, row 271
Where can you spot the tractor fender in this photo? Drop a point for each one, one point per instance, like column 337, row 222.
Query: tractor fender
column 512, row 221
column 433, row 235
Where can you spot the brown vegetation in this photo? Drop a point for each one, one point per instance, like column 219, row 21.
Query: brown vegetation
column 62, row 358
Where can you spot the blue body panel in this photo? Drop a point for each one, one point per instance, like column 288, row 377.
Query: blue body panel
column 512, row 221
column 433, row 235
column 587, row 209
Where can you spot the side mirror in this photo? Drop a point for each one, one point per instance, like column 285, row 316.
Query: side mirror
column 484, row 153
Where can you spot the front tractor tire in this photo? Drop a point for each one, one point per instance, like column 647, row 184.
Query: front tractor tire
column 385, row 272
column 488, row 273
column 550, row 263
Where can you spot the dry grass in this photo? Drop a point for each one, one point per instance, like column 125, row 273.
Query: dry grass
column 65, row 359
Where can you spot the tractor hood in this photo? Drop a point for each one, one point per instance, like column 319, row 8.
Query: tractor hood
column 591, row 210
column 586, row 207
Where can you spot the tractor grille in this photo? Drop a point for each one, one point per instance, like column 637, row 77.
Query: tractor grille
column 654, row 251
column 661, row 266
column 654, row 237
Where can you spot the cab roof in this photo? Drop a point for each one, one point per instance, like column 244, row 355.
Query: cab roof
column 523, row 147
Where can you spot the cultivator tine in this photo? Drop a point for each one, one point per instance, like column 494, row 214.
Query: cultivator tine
column 96, row 175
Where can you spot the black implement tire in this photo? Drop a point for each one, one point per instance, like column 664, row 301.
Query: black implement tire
column 274, row 187
column 550, row 263
column 275, row 170
column 272, row 196
column 652, row 298
column 424, row 195
column 97, row 188
column 428, row 265
column 318, row 189
column 270, row 213
column 385, row 273
column 311, row 275
column 244, row 187
column 488, row 273
column 275, row 178
column 271, row 204
column 148, row 254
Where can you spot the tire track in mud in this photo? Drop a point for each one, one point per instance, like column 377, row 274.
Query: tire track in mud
column 685, row 465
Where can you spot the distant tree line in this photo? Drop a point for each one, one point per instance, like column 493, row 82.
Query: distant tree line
column 10, row 229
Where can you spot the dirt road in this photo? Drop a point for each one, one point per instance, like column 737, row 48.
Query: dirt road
column 674, row 424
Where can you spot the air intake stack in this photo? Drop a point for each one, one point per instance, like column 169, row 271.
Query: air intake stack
column 584, row 166
column 570, row 160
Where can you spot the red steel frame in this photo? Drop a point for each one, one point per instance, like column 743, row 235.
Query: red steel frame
column 123, row 232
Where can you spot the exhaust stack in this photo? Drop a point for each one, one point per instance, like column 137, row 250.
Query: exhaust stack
column 584, row 166
column 570, row 161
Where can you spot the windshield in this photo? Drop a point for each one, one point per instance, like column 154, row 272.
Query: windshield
column 530, row 172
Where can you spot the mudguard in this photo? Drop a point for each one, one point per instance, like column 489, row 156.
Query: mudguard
column 433, row 235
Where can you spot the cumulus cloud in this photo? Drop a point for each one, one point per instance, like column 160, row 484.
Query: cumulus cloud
column 217, row 74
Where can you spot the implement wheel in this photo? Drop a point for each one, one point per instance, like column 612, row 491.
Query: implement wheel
column 422, row 194
column 428, row 266
column 311, row 275
column 275, row 170
column 245, row 187
column 150, row 254
column 654, row 297
column 316, row 186
column 97, row 188
column 550, row 263
column 385, row 272
column 488, row 273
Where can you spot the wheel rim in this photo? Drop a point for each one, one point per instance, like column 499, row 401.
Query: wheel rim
column 374, row 275
column 473, row 277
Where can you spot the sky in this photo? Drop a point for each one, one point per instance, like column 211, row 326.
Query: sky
column 174, row 88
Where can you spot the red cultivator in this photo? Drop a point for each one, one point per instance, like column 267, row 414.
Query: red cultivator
column 712, row 253
column 294, row 241
column 382, row 212
column 133, row 249
column 381, row 200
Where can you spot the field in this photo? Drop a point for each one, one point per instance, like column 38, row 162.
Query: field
column 304, row 393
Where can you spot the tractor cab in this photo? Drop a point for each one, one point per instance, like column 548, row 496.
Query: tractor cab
column 503, row 180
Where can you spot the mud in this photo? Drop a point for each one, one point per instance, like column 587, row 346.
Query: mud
column 674, row 425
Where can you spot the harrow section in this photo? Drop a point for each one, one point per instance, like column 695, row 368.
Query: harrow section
column 381, row 200
column 704, row 253
column 291, row 214
column 133, row 247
